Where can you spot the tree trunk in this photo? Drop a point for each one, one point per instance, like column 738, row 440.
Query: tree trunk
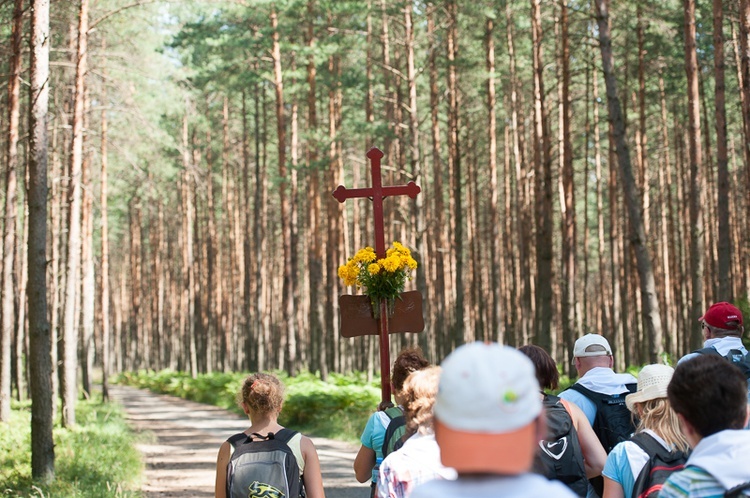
column 456, row 176
column 213, row 267
column 569, row 215
column 494, row 217
column 69, row 385
column 9, row 231
column 651, row 314
column 104, row 273
column 724, row 273
column 88, row 282
column 666, row 227
column 543, row 187
column 21, row 344
column 40, row 362
column 289, row 305
column 441, row 298
column 745, row 83
column 696, row 160
column 188, row 292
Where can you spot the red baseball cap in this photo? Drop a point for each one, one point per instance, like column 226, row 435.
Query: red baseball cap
column 723, row 315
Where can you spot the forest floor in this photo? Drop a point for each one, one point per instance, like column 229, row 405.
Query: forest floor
column 180, row 440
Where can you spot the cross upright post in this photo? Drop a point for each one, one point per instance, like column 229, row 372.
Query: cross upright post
column 377, row 193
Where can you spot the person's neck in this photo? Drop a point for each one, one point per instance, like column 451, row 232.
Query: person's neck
column 263, row 423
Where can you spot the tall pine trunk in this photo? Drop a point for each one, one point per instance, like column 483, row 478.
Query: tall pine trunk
column 724, row 273
column 9, row 231
column 696, row 164
column 651, row 314
column 68, row 384
column 104, row 272
column 569, row 215
column 543, row 188
column 40, row 360
column 289, row 305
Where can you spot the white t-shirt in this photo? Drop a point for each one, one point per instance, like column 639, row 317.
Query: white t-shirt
column 493, row 486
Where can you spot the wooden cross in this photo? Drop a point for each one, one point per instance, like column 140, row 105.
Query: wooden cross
column 407, row 307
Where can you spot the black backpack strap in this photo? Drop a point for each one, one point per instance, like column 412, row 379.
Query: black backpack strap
column 653, row 447
column 595, row 396
column 709, row 350
column 284, row 435
column 237, row 439
column 736, row 491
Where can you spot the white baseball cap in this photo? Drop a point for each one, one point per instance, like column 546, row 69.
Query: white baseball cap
column 487, row 402
column 652, row 384
column 592, row 345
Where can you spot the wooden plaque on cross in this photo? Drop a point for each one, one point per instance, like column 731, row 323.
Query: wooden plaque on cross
column 355, row 312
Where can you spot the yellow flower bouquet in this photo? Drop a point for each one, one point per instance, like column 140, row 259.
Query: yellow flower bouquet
column 380, row 278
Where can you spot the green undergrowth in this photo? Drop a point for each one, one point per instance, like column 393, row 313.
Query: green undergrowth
column 337, row 408
column 96, row 458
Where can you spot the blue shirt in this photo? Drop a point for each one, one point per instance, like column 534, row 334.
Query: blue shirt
column 373, row 437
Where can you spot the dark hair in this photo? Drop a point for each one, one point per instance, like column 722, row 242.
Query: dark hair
column 710, row 393
column 408, row 360
column 262, row 393
column 546, row 368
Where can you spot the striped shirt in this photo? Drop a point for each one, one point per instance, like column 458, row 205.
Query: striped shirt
column 693, row 482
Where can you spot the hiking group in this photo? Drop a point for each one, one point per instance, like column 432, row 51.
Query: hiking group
column 483, row 424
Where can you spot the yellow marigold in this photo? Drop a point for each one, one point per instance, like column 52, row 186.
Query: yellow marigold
column 391, row 263
column 366, row 255
column 411, row 263
column 401, row 249
column 348, row 273
column 373, row 268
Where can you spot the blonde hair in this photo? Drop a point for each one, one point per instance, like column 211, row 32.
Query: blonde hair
column 419, row 391
column 261, row 393
column 658, row 415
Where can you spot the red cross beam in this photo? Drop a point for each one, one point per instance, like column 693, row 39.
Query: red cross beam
column 377, row 193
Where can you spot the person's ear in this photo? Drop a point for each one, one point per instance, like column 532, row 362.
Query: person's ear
column 611, row 361
column 747, row 414
column 245, row 409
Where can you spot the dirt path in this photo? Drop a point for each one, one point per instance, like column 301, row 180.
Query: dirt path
column 180, row 459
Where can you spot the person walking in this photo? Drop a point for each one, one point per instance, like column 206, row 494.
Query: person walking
column 242, row 465
column 488, row 422
column 418, row 460
column 708, row 395
column 370, row 454
column 571, row 452
column 657, row 448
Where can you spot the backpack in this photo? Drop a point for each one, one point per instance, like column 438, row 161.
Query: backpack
column 265, row 467
column 734, row 356
column 613, row 422
column 661, row 464
column 395, row 431
column 737, row 491
column 559, row 455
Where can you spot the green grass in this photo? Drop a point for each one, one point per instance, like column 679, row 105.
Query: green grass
column 94, row 459
column 337, row 408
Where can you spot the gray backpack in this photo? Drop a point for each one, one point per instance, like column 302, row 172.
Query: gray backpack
column 263, row 466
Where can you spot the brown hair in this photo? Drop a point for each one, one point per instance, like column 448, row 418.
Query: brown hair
column 408, row 360
column 261, row 393
column 657, row 415
column 546, row 368
column 710, row 393
column 419, row 391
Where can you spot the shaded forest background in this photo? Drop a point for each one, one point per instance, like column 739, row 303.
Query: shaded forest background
column 573, row 180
